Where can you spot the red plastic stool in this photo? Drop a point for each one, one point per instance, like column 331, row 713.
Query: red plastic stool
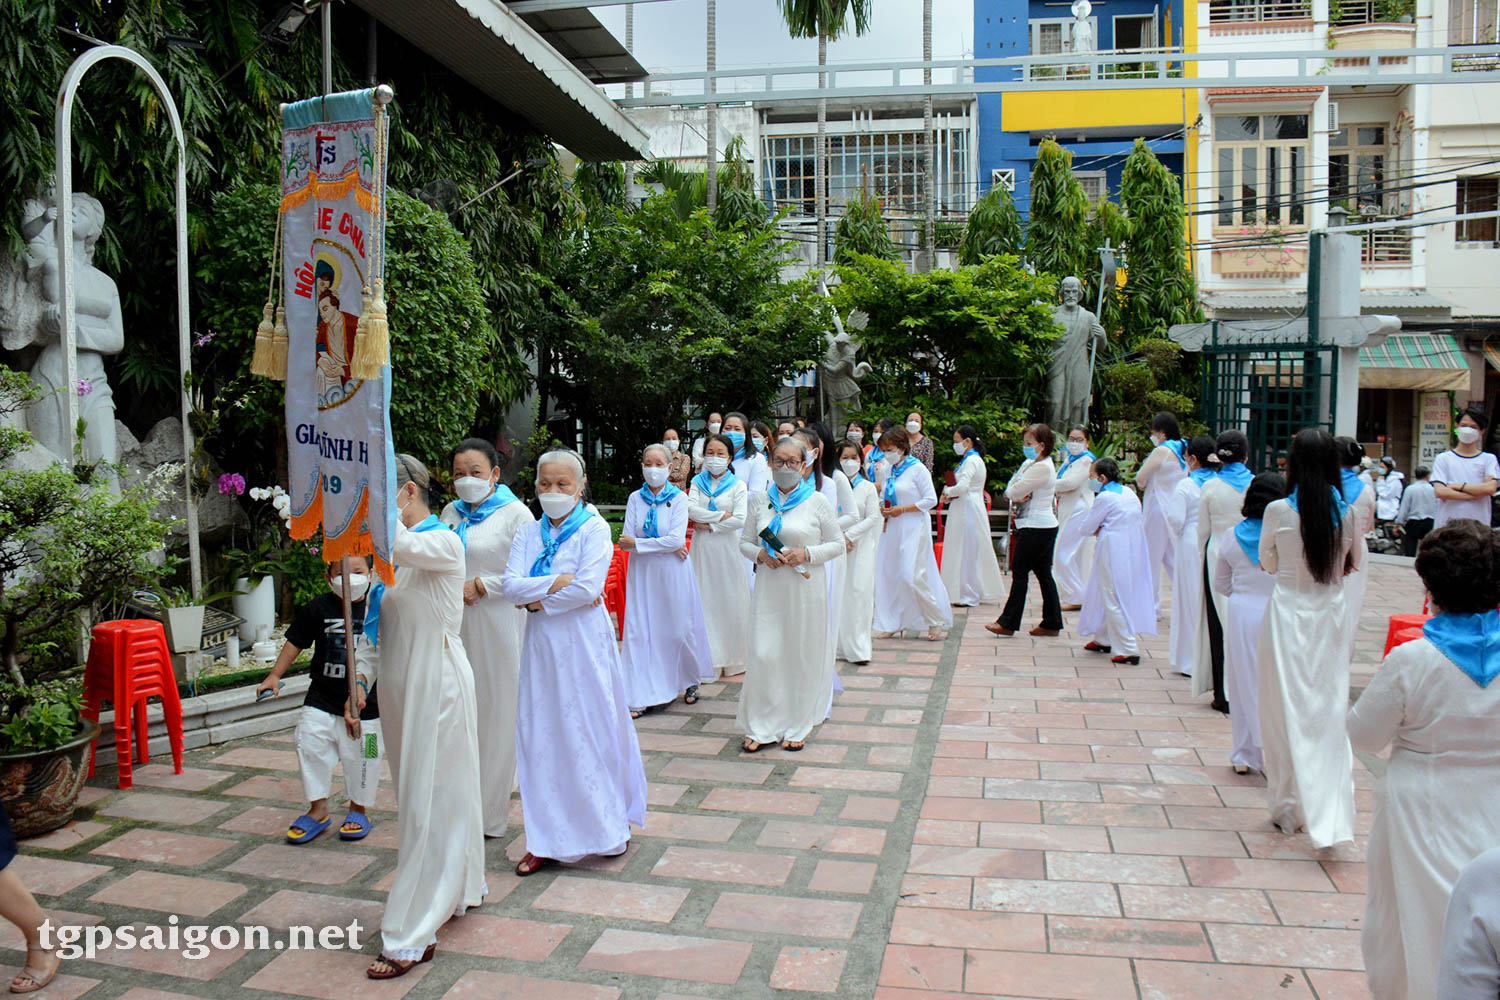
column 1404, row 636
column 937, row 550
column 1399, row 623
column 614, row 589
column 129, row 663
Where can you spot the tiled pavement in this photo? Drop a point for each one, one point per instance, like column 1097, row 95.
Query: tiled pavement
column 1010, row 819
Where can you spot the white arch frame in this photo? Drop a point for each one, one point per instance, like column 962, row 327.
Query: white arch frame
column 63, row 142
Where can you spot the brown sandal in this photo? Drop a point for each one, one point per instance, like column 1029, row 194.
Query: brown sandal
column 395, row 968
column 28, row 980
column 792, row 746
column 531, row 864
column 750, row 746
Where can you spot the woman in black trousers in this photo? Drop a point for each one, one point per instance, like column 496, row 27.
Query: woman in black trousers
column 1031, row 491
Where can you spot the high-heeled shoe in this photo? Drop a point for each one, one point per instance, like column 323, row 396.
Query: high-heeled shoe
column 1132, row 660
column 1094, row 647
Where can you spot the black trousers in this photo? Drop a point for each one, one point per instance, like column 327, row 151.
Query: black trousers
column 1416, row 530
column 1215, row 633
column 1033, row 556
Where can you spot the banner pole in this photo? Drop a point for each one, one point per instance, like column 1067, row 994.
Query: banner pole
column 353, row 727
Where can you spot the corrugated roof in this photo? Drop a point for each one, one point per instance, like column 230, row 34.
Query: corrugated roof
column 1399, row 302
column 508, row 61
column 578, row 37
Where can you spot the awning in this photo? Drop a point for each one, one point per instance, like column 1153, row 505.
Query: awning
column 1492, row 355
column 507, row 61
column 1414, row 361
column 578, row 37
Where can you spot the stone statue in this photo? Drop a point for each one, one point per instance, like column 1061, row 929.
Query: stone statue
column 31, row 315
column 1069, row 379
column 1082, row 40
column 840, row 373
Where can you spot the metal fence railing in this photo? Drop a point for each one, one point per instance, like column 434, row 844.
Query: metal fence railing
column 1258, row 10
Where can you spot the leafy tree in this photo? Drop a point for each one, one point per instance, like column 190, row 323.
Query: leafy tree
column 994, row 226
column 862, row 230
column 1161, row 290
column 958, row 345
column 441, row 337
column 688, row 189
column 652, row 313
column 1057, row 233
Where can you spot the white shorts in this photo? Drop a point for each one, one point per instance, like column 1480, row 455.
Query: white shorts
column 322, row 742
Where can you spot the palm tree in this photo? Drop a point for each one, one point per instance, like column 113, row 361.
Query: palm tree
column 713, row 113
column 929, row 191
column 823, row 20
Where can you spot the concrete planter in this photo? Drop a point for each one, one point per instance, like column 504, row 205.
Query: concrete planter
column 185, row 628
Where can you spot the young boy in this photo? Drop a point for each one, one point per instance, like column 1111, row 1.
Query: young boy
column 323, row 737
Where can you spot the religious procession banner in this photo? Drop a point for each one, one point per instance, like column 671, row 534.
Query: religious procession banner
column 334, row 335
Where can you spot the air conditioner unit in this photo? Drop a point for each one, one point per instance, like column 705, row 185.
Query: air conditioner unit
column 1333, row 116
column 1004, row 177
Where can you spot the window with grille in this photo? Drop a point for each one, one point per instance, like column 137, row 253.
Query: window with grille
column 894, row 163
column 1261, row 169
column 1356, row 167
column 1479, row 194
column 1471, row 22
column 1094, row 184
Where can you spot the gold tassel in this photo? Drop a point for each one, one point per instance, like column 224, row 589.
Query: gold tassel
column 260, row 361
column 372, row 347
column 279, row 346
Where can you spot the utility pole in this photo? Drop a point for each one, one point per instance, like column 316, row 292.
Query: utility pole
column 713, row 112
column 929, row 189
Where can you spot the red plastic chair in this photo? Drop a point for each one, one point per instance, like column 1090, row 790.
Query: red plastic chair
column 1402, row 622
column 128, row 663
column 1404, row 636
column 614, row 589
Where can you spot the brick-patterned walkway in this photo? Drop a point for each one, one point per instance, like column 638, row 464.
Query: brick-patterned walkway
column 1011, row 819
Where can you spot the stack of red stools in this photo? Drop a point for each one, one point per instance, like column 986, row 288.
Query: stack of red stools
column 614, row 589
column 942, row 517
column 128, row 663
column 1404, row 628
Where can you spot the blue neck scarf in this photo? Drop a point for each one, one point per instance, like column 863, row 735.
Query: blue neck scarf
column 781, row 504
column 1353, row 485
column 1074, row 458
column 890, row 481
column 858, row 476
column 667, row 495
column 744, row 453
column 1111, row 488
column 550, row 545
column 705, row 484
column 1201, row 476
column 377, row 592
column 1236, row 475
column 470, row 516
column 1471, row 641
column 1247, row 533
column 1179, row 448
column 970, row 453
column 1340, row 508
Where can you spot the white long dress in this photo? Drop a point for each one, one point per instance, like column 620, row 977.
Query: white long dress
column 970, row 571
column 1218, row 512
column 836, row 491
column 665, row 648
column 909, row 591
column 789, row 674
column 1303, row 679
column 1246, row 589
column 755, row 473
column 1073, row 557
column 860, row 523
column 582, row 781
column 429, row 724
column 1470, row 969
column 1438, row 808
column 492, row 637
column 1117, row 604
column 1187, row 576
column 720, row 569
column 1162, row 470
column 1356, row 583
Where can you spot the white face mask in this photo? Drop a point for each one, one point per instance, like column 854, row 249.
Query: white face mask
column 876, row 438
column 472, row 489
column 713, row 428
column 359, row 585
column 1076, row 448
column 1468, row 435
column 786, row 480
column 913, row 426
column 856, row 435
column 959, row 449
column 892, row 458
column 557, row 505
column 850, row 467
column 760, row 442
column 716, row 464
column 1157, row 439
column 654, row 475
column 672, row 445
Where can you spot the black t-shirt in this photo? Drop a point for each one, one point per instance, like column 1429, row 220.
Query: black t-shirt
column 320, row 625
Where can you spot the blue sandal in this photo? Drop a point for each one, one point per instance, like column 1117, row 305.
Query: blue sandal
column 308, row 827
column 357, row 819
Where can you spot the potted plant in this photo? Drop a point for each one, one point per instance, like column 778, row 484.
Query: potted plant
column 184, row 620
column 250, row 570
column 69, row 546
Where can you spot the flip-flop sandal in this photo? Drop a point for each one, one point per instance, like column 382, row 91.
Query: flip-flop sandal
column 359, row 820
column 792, row 746
column 396, row 968
column 308, row 827
column 750, row 746
column 691, row 697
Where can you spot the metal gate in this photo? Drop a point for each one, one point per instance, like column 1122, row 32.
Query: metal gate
column 1268, row 391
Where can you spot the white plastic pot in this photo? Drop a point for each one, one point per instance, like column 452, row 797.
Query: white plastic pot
column 256, row 605
column 185, row 628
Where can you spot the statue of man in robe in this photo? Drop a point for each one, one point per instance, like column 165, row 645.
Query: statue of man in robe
column 1070, row 378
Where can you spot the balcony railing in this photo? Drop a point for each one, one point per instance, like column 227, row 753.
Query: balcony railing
column 1221, row 11
column 1385, row 246
column 1131, row 67
column 1353, row 12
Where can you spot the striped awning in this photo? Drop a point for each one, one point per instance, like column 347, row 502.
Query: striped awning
column 1492, row 355
column 1414, row 361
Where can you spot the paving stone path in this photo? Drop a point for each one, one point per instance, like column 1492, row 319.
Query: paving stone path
column 978, row 818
